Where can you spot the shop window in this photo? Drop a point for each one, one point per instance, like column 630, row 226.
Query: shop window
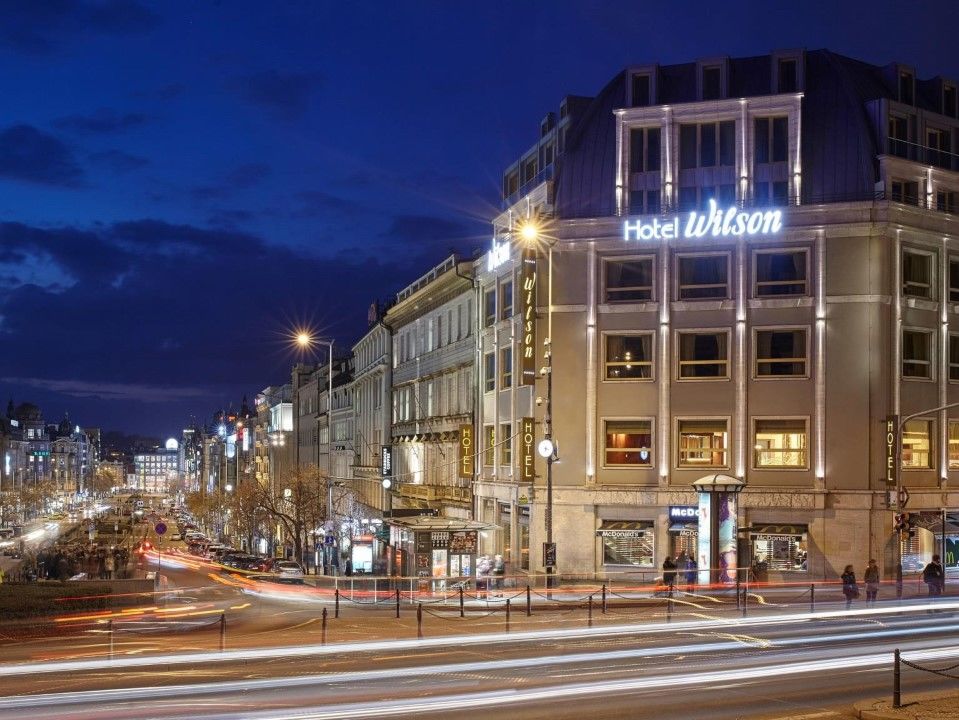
column 489, row 372
column 506, row 367
column 781, row 352
column 629, row 357
column 954, row 444
column 780, row 443
column 504, row 521
column 917, row 354
column 917, row 274
column 627, row 542
column 644, row 149
column 771, row 139
column 703, row 355
column 506, row 300
column 703, row 443
column 629, row 443
column 954, row 357
column 489, row 308
column 489, row 434
column 782, row 272
column 506, row 444
column 703, row 277
column 917, row 445
column 629, row 280
column 523, row 527
column 780, row 548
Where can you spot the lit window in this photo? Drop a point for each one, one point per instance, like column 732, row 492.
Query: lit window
column 489, row 456
column 954, row 444
column 780, row 443
column 629, row 357
column 781, row 352
column 506, row 448
column 917, row 354
column 703, row 355
column 629, row 443
column 917, row 275
column 917, row 452
column 703, row 443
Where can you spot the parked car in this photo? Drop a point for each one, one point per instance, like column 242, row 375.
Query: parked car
column 176, row 536
column 287, row 570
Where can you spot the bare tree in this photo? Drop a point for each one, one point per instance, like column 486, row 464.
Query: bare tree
column 246, row 514
column 105, row 479
column 298, row 501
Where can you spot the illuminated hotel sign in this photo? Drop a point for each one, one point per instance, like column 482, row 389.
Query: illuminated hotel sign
column 714, row 222
column 527, row 309
column 467, row 452
column 527, row 442
column 498, row 254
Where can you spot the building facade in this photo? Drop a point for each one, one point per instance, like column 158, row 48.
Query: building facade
column 157, row 470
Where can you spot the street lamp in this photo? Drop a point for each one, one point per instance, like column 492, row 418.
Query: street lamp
column 305, row 340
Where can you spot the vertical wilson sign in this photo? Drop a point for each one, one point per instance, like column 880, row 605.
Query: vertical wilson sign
column 527, row 446
column 527, row 348
column 891, row 437
column 467, row 452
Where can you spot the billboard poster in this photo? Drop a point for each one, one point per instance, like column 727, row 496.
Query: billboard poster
column 726, row 507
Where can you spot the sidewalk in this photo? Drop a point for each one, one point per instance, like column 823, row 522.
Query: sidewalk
column 915, row 706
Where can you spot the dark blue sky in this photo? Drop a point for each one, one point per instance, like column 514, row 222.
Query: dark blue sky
column 180, row 182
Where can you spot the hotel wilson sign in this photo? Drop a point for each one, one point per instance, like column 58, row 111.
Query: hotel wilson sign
column 527, row 308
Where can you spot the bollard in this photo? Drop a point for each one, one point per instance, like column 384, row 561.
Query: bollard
column 222, row 631
column 111, row 637
column 589, row 610
column 896, row 687
column 507, row 614
column 604, row 598
column 419, row 620
column 462, row 614
column 323, row 641
column 397, row 602
column 812, row 597
column 529, row 608
column 336, row 597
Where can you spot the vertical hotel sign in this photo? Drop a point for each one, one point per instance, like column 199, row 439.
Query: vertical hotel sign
column 527, row 443
column 467, row 452
column 527, row 283
column 891, row 437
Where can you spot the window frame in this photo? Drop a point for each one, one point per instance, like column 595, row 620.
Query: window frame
column 489, row 320
column 630, row 333
column 651, row 462
column 933, row 449
column 505, row 368
column 755, row 352
column 950, row 465
column 506, row 446
column 805, row 451
column 931, row 362
column 678, row 289
column 502, row 307
column 678, row 459
column 489, row 449
column 950, row 364
column 628, row 258
column 804, row 250
column 931, row 257
column 950, row 289
column 679, row 362
column 487, row 377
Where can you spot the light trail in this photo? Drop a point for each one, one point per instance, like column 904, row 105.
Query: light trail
column 458, row 641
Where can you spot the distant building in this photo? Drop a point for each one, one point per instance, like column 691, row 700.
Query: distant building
column 157, row 470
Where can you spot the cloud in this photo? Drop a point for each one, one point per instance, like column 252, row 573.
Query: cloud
column 103, row 122
column 118, row 161
column 285, row 94
column 34, row 156
column 241, row 177
column 40, row 27
column 111, row 391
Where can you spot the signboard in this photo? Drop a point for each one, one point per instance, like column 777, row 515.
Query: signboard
column 463, row 542
column 683, row 513
column 892, row 445
column 527, row 443
column 160, row 528
column 386, row 461
column 424, row 544
column 549, row 555
column 715, row 222
column 467, row 451
column 527, row 309
column 498, row 254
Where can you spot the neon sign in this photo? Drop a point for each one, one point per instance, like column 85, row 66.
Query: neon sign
column 714, row 222
column 498, row 254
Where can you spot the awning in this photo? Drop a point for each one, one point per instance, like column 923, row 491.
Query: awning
column 624, row 528
column 683, row 527
column 779, row 530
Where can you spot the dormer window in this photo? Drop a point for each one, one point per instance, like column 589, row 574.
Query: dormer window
column 640, row 88
column 787, row 76
column 949, row 101
column 712, row 87
column 906, row 94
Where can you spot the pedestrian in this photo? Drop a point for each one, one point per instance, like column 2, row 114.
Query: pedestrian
column 109, row 565
column 669, row 575
column 871, row 578
column 849, row 587
column 934, row 576
column 691, row 572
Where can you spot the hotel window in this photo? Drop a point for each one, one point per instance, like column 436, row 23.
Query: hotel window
column 510, row 184
column 917, row 354
column 644, row 144
column 629, row 357
column 489, row 372
column 696, row 196
column 506, row 447
column 489, row 308
column 898, row 136
column 905, row 88
column 905, row 191
column 781, row 352
column 954, row 279
column 712, row 82
column 917, row 274
column 640, row 91
column 644, row 202
column 787, row 76
column 949, row 101
column 703, row 443
column 771, row 139
column 780, row 443
column 780, row 272
column 954, row 357
column 703, row 277
column 489, row 433
column 629, row 443
column 506, row 300
column 529, row 170
column 774, row 193
column 917, row 447
column 954, row 444
column 947, row 201
column 939, row 147
column 629, row 280
column 698, row 145
column 703, row 355
column 506, row 367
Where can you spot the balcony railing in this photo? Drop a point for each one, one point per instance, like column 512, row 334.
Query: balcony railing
column 527, row 187
column 923, row 154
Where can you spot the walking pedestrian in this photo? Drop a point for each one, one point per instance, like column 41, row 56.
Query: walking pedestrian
column 691, row 573
column 871, row 578
column 934, row 576
column 849, row 587
column 669, row 575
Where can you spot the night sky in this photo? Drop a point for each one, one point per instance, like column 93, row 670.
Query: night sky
column 183, row 182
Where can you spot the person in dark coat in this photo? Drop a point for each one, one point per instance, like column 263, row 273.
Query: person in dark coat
column 934, row 576
column 669, row 575
column 849, row 587
column 871, row 578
